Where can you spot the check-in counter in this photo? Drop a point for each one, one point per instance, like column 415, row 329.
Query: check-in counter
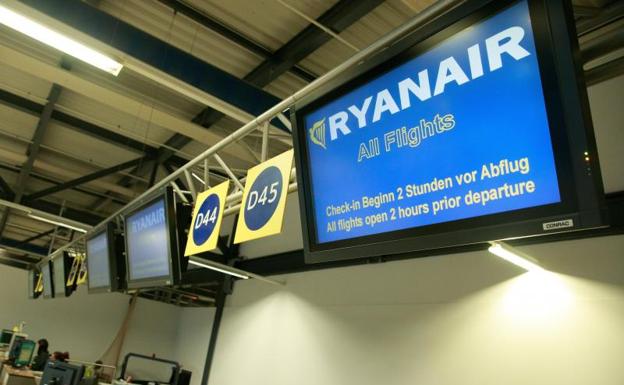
column 12, row 376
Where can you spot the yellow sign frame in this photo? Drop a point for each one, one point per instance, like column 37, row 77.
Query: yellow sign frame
column 210, row 244
column 274, row 225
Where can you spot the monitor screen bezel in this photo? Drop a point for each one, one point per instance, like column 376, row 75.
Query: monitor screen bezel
column 114, row 283
column 65, row 261
column 47, row 266
column 172, row 239
column 582, row 195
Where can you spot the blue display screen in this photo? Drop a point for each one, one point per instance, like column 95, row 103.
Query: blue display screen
column 47, row 281
column 98, row 261
column 59, row 276
column 460, row 131
column 148, row 242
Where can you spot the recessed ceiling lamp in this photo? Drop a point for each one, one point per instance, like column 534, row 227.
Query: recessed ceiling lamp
column 56, row 40
column 514, row 256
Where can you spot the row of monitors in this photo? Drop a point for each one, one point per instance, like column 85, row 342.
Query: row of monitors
column 147, row 254
column 52, row 277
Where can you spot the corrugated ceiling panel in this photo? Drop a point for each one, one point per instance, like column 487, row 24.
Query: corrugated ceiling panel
column 285, row 85
column 107, row 117
column 62, row 140
column 138, row 87
column 265, row 21
column 179, row 31
column 15, row 81
column 366, row 31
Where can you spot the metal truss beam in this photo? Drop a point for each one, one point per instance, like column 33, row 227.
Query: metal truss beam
column 604, row 72
column 36, row 236
column 603, row 44
column 33, row 151
column 12, row 260
column 87, row 178
column 82, row 126
column 608, row 14
column 17, row 246
column 70, row 213
column 6, row 189
column 338, row 18
column 229, row 33
column 54, row 182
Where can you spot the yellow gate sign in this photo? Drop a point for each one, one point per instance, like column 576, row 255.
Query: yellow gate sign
column 82, row 271
column 264, row 199
column 39, row 286
column 206, row 225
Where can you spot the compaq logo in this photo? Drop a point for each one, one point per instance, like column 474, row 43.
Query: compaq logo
column 566, row 223
column 409, row 91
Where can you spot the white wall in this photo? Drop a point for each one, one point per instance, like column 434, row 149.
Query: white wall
column 605, row 101
column 83, row 324
column 194, row 329
column 460, row 319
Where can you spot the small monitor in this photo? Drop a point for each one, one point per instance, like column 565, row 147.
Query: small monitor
column 61, row 373
column 61, row 266
column 23, row 353
column 48, row 284
column 14, row 345
column 153, row 243
column 5, row 337
column 105, row 261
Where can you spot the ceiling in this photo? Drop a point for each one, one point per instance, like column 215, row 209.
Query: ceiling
column 61, row 120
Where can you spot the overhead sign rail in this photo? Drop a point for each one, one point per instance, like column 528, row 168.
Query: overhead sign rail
column 428, row 14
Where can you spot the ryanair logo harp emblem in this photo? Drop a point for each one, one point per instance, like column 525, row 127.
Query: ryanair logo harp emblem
column 317, row 133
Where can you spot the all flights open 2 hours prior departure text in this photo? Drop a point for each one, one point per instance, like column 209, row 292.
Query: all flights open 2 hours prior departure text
column 395, row 205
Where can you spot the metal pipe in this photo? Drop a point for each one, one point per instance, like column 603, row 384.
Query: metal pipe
column 228, row 171
column 191, row 183
column 428, row 14
column 602, row 45
column 265, row 143
column 319, row 25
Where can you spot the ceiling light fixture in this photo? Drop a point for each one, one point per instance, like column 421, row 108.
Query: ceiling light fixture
column 514, row 256
column 211, row 267
column 52, row 221
column 56, row 40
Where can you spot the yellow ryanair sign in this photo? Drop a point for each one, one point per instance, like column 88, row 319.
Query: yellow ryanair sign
column 264, row 199
column 204, row 232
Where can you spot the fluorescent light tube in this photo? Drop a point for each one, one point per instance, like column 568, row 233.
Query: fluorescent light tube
column 56, row 40
column 192, row 262
column 510, row 255
column 51, row 221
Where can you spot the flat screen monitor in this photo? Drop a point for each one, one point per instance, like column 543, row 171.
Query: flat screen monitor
column 473, row 128
column 24, row 353
column 61, row 373
column 14, row 345
column 48, row 283
column 33, row 279
column 5, row 337
column 152, row 247
column 105, row 267
column 61, row 266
